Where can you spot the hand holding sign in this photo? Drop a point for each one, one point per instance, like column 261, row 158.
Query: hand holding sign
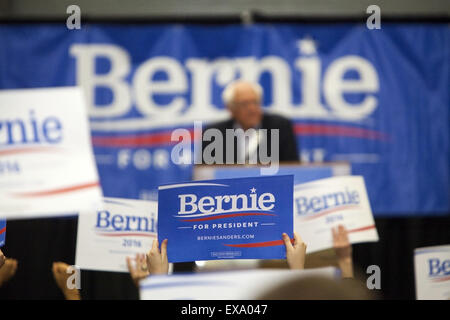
column 138, row 268
column 8, row 270
column 295, row 253
column 157, row 260
column 341, row 244
column 61, row 276
column 343, row 250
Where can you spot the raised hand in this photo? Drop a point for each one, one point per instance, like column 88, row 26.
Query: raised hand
column 8, row 270
column 343, row 250
column 138, row 270
column 157, row 259
column 295, row 253
column 61, row 276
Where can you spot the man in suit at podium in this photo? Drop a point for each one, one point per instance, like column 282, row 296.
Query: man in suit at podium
column 243, row 101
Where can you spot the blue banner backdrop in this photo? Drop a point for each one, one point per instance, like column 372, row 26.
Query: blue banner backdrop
column 376, row 98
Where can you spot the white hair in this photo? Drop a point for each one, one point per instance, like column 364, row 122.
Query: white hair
column 230, row 91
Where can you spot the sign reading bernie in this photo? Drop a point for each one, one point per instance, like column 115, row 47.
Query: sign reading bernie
column 121, row 229
column 46, row 162
column 326, row 203
column 226, row 219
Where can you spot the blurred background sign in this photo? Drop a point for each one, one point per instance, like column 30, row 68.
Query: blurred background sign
column 378, row 100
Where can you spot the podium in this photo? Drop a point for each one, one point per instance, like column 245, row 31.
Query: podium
column 302, row 172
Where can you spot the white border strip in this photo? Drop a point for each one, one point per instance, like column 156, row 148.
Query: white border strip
column 180, row 185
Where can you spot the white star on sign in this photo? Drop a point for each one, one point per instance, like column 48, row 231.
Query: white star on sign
column 307, row 46
column 253, row 190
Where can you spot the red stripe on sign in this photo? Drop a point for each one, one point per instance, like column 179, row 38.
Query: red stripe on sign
column 230, row 216
column 164, row 138
column 27, row 150
column 441, row 279
column 362, row 229
column 126, row 234
column 336, row 130
column 57, row 191
column 350, row 206
column 141, row 140
column 3, row 230
column 258, row 244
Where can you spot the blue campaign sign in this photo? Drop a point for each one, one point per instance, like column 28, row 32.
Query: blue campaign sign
column 2, row 232
column 240, row 218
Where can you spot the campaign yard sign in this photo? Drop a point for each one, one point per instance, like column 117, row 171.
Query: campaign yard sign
column 47, row 166
column 240, row 218
column 122, row 228
column 2, row 232
column 326, row 203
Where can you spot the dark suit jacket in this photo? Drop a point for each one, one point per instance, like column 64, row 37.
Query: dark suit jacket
column 288, row 150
